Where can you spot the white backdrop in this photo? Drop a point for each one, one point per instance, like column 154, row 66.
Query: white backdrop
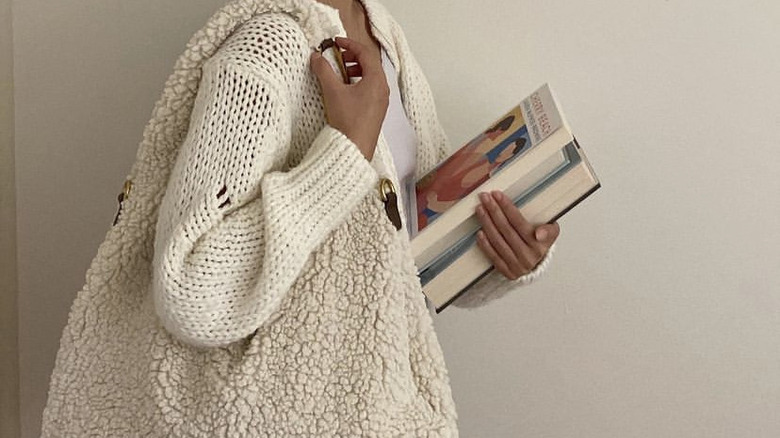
column 660, row 316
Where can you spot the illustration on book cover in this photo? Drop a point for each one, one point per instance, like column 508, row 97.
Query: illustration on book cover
column 470, row 166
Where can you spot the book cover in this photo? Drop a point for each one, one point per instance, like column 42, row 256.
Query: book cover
column 508, row 138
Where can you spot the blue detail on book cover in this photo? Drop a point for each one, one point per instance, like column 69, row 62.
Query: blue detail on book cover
column 523, row 144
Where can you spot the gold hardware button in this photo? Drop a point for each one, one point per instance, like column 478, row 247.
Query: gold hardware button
column 387, row 191
column 385, row 186
column 121, row 198
column 126, row 189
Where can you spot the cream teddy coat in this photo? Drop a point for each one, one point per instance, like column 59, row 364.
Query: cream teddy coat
column 253, row 285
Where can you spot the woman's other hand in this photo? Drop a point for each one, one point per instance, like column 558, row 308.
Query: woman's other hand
column 357, row 110
column 513, row 244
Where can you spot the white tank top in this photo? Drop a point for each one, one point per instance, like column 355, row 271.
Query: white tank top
column 401, row 139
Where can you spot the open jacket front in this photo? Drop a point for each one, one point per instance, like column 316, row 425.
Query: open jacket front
column 253, row 284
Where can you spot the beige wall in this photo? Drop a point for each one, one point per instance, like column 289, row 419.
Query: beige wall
column 9, row 355
column 659, row 316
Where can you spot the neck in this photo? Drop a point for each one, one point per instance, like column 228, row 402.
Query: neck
column 341, row 5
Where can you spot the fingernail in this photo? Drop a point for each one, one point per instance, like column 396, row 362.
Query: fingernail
column 484, row 196
column 497, row 195
column 541, row 233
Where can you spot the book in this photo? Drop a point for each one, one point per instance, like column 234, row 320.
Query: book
column 531, row 155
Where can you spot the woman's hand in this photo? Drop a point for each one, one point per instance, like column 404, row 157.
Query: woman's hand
column 357, row 110
column 513, row 245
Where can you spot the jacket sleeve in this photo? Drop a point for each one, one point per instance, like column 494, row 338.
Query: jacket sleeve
column 235, row 228
column 494, row 285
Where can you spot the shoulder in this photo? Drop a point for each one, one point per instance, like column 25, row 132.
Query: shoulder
column 271, row 44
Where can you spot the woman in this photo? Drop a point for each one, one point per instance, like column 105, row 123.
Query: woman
column 253, row 284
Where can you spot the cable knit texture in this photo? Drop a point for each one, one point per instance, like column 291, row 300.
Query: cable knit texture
column 253, row 285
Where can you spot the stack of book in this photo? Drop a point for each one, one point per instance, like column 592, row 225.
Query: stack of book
column 531, row 155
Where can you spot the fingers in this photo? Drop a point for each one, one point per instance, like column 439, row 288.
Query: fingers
column 355, row 71
column 525, row 229
column 491, row 209
column 503, row 238
column 513, row 244
column 547, row 233
column 490, row 252
column 358, row 52
column 348, row 56
column 327, row 76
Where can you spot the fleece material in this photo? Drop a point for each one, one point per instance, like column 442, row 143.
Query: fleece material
column 253, row 285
